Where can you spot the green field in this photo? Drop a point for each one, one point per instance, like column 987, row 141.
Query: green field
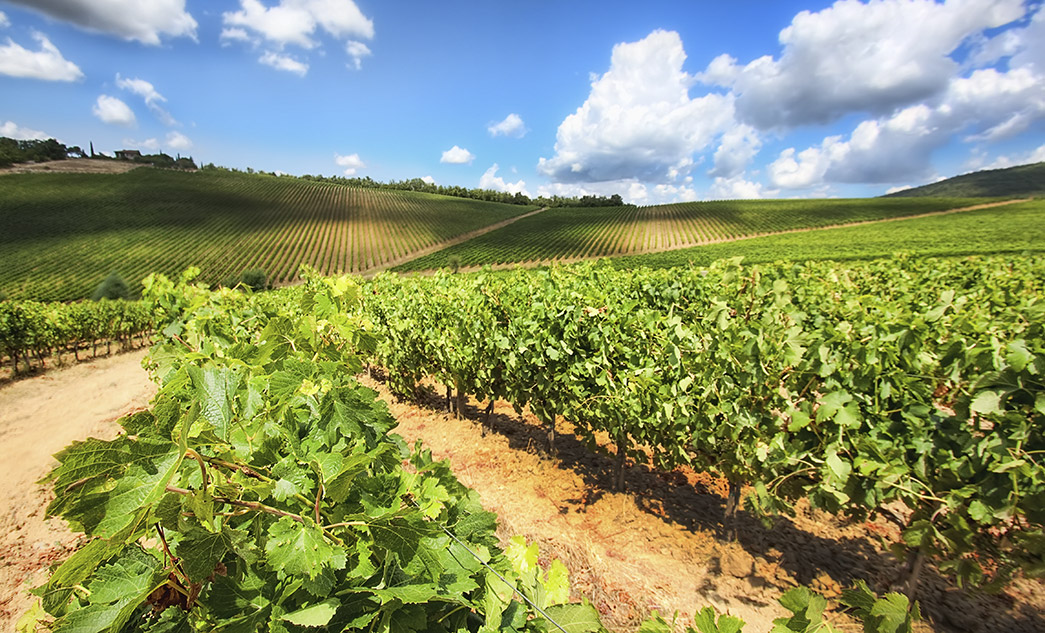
column 63, row 233
column 1013, row 228
column 577, row 233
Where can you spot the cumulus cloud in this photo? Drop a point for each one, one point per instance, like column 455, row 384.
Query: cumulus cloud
column 737, row 188
column 988, row 105
column 428, row 179
column 146, row 22
column 855, row 57
column 490, row 180
column 285, row 63
column 174, row 142
column 298, row 23
column 178, row 142
column 46, row 63
column 4, row 22
column 1036, row 155
column 639, row 121
column 148, row 145
column 12, row 130
column 356, row 52
column 512, row 125
column 737, row 148
column 351, row 163
column 1024, row 46
column 112, row 110
column 632, row 191
column 457, row 156
column 148, row 93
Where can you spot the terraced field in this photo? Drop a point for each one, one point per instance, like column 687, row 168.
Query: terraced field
column 579, row 233
column 63, row 233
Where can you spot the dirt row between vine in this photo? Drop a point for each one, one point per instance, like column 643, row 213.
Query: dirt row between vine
column 657, row 546
column 660, row 544
column 39, row 416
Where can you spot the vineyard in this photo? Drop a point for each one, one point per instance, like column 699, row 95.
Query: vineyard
column 264, row 489
column 585, row 233
column 63, row 233
column 1014, row 229
column 910, row 388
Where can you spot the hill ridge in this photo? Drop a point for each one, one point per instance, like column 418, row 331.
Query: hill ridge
column 1020, row 180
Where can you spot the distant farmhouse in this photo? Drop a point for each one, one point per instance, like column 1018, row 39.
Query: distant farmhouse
column 128, row 154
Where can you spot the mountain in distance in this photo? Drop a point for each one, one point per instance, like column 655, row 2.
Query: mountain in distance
column 1022, row 181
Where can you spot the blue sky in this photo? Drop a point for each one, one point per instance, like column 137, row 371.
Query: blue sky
column 658, row 101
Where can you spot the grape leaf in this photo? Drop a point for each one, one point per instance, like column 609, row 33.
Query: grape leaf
column 215, row 390
column 299, row 549
column 316, row 615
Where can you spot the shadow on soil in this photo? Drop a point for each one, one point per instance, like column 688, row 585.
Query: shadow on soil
column 805, row 556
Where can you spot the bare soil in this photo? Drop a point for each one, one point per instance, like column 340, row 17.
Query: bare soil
column 660, row 545
column 73, row 166
column 657, row 546
column 39, row 416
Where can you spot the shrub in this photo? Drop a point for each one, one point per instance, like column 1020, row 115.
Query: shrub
column 112, row 287
column 255, row 279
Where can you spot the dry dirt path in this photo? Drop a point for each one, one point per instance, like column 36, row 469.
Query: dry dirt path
column 656, row 546
column 38, row 417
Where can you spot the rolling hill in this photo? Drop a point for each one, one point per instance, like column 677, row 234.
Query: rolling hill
column 584, row 233
column 62, row 233
column 1023, row 181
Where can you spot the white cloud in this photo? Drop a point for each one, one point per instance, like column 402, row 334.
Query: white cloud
column 512, row 125
column 112, row 110
column 12, row 130
column 351, row 163
column 178, row 142
column 1025, row 46
column 604, row 188
column 145, row 22
column 738, row 147
column 737, row 188
column 638, row 121
column 148, row 93
column 1034, row 156
column 148, row 145
column 46, row 63
column 140, row 87
column 285, row 63
column 428, row 179
column 457, row 156
column 490, row 180
column 235, row 34
column 988, row 105
column 175, row 142
column 4, row 22
column 856, row 57
column 356, row 52
column 297, row 23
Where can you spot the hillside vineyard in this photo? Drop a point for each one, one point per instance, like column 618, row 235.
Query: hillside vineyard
column 63, row 233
